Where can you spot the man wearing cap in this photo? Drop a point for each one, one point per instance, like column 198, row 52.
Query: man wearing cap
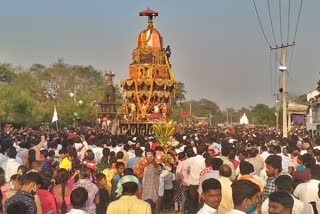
column 128, row 202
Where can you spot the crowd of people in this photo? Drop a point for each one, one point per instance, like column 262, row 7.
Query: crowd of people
column 208, row 170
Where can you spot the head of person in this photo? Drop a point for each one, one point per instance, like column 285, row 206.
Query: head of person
column 15, row 182
column 22, row 170
column 85, row 172
column 63, row 153
column 211, row 192
column 89, row 155
column 246, row 195
column 208, row 162
column 252, row 153
column 17, row 207
column 277, row 149
column 225, row 170
column 36, row 166
column 101, row 179
column 43, row 154
column 62, row 176
column 72, row 154
column 242, row 155
column 246, row 168
column 11, row 152
column 150, row 155
column 308, row 160
column 51, row 155
column 119, row 155
column 315, row 172
column 273, row 165
column 120, row 168
column 216, row 163
column 280, row 202
column 138, row 152
column 30, row 182
column 283, row 183
column 79, row 197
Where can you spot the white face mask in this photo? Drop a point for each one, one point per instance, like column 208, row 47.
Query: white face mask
column 11, row 185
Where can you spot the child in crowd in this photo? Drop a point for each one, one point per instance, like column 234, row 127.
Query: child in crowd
column 103, row 194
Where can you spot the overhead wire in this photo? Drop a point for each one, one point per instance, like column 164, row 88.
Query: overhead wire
column 280, row 22
column 263, row 32
column 272, row 28
column 289, row 12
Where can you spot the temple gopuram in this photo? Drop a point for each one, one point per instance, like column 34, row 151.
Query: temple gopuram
column 151, row 85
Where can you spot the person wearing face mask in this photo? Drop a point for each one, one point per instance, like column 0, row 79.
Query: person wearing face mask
column 246, row 197
column 29, row 186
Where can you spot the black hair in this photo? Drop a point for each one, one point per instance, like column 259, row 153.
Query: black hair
column 79, row 197
column 246, row 168
column 283, row 198
column 119, row 155
column 118, row 164
column 210, row 183
column 284, row 183
column 31, row 177
column 100, row 176
column 216, row 163
column 138, row 152
column 11, row 152
column 62, row 178
column 17, row 207
column 128, row 171
column 315, row 172
column 32, row 156
column 90, row 155
column 225, row 170
column 23, row 169
column 275, row 162
column 130, row 188
column 242, row 189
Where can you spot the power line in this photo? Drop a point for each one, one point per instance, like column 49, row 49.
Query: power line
column 264, row 34
column 289, row 11
column 274, row 37
column 280, row 21
column 295, row 34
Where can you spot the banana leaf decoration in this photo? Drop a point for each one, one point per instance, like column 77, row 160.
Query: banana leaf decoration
column 163, row 131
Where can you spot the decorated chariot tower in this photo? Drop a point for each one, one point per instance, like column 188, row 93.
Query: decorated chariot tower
column 151, row 86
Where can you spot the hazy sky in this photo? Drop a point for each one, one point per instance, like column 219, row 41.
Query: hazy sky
column 218, row 50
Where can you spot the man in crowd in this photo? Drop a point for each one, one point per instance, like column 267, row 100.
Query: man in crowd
column 211, row 196
column 284, row 183
column 29, row 182
column 151, row 180
column 224, row 178
column 280, row 203
column 307, row 192
column 273, row 169
column 195, row 165
column 246, row 197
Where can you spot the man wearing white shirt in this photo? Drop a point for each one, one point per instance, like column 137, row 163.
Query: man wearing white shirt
column 308, row 192
column 11, row 165
column 264, row 152
column 195, row 165
column 246, row 196
column 284, row 183
column 211, row 196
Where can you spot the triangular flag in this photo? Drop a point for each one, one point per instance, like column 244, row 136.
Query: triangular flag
column 55, row 115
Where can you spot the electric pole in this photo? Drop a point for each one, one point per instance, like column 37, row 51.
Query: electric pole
column 277, row 113
column 283, row 69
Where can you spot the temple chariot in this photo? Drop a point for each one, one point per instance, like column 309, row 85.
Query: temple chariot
column 151, row 86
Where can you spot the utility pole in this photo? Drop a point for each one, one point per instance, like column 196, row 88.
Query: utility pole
column 283, row 69
column 227, row 117
column 284, row 92
column 277, row 113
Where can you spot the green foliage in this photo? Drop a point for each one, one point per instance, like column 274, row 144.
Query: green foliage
column 30, row 97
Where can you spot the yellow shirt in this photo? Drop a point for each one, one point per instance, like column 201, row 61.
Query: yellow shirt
column 65, row 164
column 129, row 205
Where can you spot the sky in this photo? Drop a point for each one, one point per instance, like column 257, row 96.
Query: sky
column 218, row 49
